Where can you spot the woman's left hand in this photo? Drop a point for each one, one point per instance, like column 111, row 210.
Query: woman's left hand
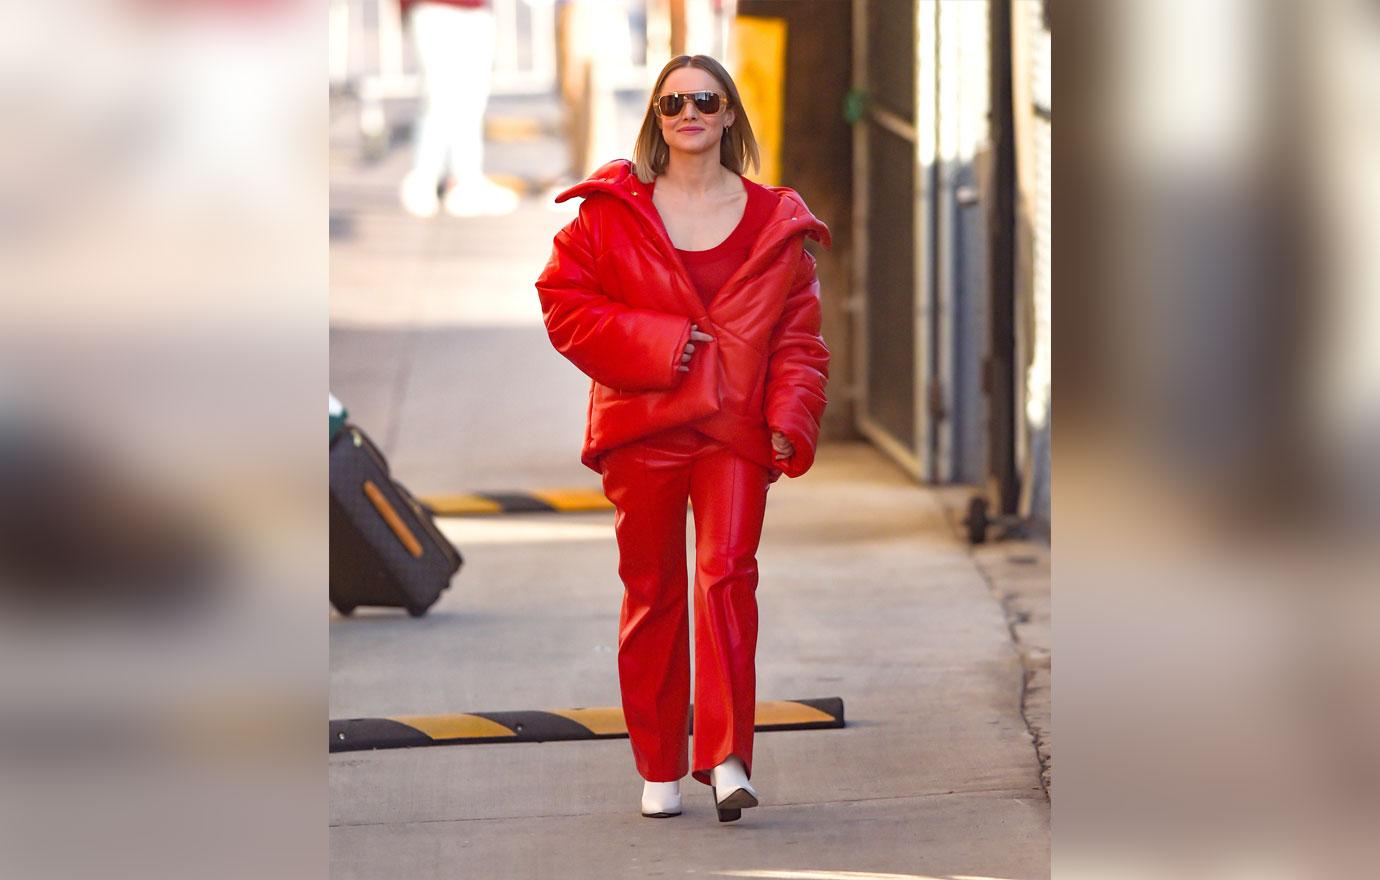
column 782, row 446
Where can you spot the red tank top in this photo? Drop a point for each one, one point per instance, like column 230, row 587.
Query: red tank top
column 709, row 269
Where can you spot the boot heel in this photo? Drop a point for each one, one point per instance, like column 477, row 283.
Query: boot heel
column 726, row 814
column 731, row 809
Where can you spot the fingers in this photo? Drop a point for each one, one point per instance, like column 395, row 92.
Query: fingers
column 695, row 335
column 783, row 447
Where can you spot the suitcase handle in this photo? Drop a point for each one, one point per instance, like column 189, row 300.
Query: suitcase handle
column 395, row 522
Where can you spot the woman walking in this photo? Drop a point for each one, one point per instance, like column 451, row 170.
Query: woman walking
column 685, row 292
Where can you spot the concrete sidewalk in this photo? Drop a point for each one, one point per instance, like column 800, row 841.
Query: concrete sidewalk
column 866, row 593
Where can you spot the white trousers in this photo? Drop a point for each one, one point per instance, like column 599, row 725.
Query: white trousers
column 455, row 48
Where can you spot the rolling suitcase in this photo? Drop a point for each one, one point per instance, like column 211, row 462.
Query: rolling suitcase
column 385, row 548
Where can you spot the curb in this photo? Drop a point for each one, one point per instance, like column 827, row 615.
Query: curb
column 548, row 501
column 406, row 731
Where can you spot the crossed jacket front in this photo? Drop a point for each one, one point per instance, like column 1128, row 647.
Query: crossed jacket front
column 618, row 303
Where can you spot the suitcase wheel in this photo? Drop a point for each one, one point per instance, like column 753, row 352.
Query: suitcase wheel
column 345, row 610
column 417, row 610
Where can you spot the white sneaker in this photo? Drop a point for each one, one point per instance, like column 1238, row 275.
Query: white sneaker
column 661, row 799
column 418, row 196
column 732, row 791
column 480, row 198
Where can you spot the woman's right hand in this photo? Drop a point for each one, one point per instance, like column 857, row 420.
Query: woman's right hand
column 695, row 335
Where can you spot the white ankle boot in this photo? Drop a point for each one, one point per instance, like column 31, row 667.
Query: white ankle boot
column 418, row 195
column 732, row 790
column 661, row 799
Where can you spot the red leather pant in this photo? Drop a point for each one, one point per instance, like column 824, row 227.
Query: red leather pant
column 648, row 482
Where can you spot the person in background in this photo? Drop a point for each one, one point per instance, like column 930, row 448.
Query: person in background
column 454, row 40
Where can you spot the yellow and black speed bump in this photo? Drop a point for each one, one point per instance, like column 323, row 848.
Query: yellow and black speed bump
column 404, row 731
column 549, row 501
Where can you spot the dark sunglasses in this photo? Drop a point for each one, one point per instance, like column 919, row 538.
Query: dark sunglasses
column 707, row 103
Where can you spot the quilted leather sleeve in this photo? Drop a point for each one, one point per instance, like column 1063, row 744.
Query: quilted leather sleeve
column 798, row 370
column 614, row 344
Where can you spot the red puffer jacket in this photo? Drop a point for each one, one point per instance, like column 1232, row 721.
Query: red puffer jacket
column 618, row 303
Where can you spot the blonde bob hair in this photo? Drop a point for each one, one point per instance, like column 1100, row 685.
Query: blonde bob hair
column 651, row 154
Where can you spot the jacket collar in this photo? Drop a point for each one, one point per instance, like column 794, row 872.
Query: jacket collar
column 790, row 218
